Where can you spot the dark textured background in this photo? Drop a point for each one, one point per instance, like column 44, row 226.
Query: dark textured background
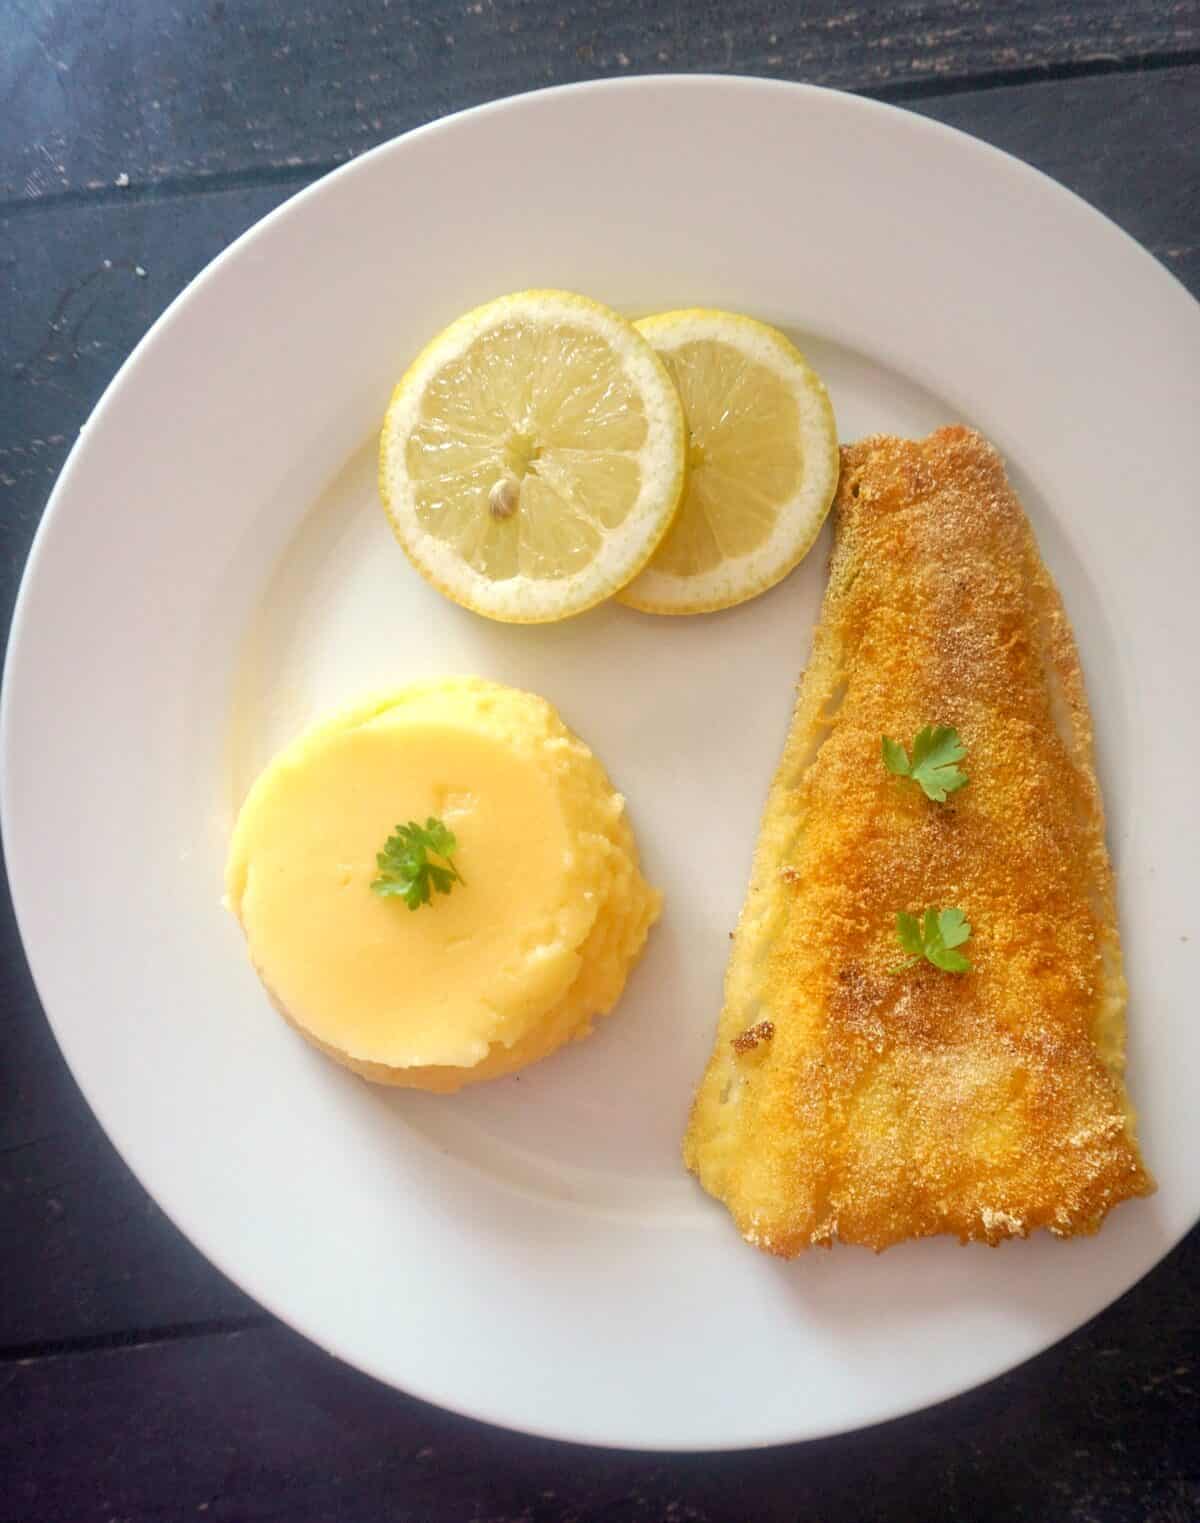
column 139, row 139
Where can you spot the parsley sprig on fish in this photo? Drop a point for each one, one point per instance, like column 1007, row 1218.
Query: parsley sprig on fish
column 935, row 751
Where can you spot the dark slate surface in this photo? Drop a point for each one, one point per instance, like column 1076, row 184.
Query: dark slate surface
column 97, row 90
column 258, row 1425
column 135, row 1383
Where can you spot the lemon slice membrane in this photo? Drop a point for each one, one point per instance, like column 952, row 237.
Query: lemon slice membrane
column 532, row 457
column 762, row 462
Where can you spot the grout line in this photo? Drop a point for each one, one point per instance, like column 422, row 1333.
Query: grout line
column 1037, row 74
column 50, row 1348
column 170, row 187
column 204, row 182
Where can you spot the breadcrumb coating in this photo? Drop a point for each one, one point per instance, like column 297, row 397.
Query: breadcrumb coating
column 891, row 1105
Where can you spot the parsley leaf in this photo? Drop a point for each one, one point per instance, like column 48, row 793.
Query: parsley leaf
column 935, row 750
column 908, row 934
column 895, row 757
column 405, row 871
column 934, row 938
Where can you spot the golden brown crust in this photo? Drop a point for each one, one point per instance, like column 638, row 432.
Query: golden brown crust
column 891, row 1106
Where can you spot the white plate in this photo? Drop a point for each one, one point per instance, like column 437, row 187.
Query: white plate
column 213, row 571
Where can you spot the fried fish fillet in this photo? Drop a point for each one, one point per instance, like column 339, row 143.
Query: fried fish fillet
column 846, row 1101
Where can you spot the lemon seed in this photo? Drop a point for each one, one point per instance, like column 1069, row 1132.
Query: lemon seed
column 504, row 497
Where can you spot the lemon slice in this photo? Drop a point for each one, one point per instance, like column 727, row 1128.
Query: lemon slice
column 532, row 456
column 762, row 462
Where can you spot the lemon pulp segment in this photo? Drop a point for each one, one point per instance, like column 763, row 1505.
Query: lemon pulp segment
column 538, row 940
